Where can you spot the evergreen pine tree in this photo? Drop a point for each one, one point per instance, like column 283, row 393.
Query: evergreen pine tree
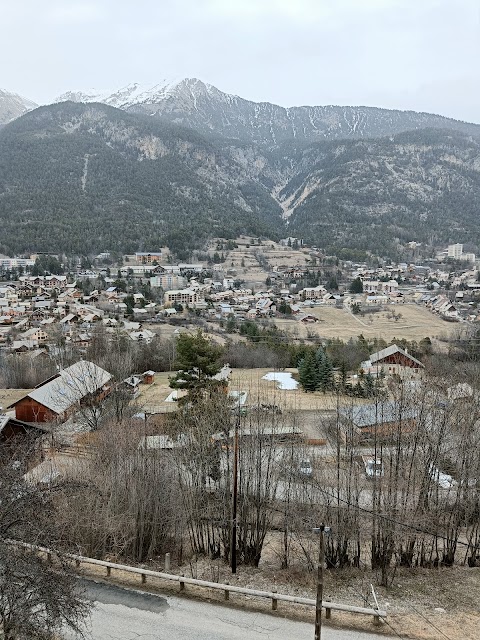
column 308, row 373
column 369, row 386
column 325, row 374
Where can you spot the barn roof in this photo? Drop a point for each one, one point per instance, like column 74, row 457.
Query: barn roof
column 367, row 415
column 392, row 350
column 71, row 385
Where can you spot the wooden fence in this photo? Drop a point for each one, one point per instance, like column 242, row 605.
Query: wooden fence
column 227, row 589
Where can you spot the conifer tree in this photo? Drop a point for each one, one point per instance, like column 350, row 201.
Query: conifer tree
column 308, row 373
column 325, row 372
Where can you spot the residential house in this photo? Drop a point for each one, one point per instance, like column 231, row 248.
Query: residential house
column 181, row 296
column 132, row 385
column 148, row 258
column 145, row 336
column 378, row 421
column 392, row 360
column 313, row 293
column 58, row 397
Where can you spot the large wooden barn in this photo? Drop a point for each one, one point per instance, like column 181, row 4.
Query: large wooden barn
column 56, row 398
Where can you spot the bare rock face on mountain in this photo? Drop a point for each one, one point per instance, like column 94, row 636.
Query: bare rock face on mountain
column 200, row 106
column 12, row 106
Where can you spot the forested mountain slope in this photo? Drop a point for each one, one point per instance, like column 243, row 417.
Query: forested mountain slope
column 368, row 195
column 77, row 177
column 86, row 177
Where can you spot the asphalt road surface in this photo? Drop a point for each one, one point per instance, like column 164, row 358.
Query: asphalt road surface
column 125, row 614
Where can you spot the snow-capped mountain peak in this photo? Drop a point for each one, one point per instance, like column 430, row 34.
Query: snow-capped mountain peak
column 125, row 97
column 13, row 105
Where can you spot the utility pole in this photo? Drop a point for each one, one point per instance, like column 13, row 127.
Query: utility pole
column 318, row 605
column 233, row 548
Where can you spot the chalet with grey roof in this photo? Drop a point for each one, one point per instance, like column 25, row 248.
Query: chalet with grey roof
column 58, row 397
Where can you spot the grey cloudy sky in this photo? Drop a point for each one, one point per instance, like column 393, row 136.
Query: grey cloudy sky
column 407, row 54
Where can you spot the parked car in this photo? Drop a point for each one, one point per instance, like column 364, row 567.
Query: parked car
column 305, row 467
column 442, row 479
column 373, row 468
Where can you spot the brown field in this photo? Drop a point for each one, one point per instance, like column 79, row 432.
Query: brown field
column 252, row 273
column 260, row 390
column 9, row 396
column 416, row 323
column 152, row 397
column 250, row 380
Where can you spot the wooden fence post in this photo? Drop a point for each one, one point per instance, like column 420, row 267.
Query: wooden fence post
column 274, row 601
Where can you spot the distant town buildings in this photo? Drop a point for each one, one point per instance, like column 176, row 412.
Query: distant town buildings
column 15, row 263
column 455, row 251
column 180, row 296
column 148, row 258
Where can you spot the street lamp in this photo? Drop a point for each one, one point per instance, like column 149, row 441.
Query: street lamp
column 321, row 561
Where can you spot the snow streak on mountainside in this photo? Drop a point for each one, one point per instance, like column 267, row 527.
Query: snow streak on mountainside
column 200, row 106
column 12, row 106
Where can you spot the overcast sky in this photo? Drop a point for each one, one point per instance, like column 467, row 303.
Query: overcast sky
column 407, row 54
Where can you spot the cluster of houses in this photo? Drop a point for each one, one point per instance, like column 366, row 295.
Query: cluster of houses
column 35, row 307
column 39, row 310
column 452, row 295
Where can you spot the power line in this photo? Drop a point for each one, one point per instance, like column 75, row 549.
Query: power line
column 411, row 606
column 383, row 619
column 390, row 519
column 429, row 622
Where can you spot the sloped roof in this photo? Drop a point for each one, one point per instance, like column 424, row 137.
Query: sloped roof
column 71, row 385
column 367, row 415
column 390, row 351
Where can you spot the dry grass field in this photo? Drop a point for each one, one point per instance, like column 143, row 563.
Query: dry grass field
column 249, row 380
column 416, row 323
column 260, row 390
column 8, row 396
column 247, row 267
column 152, row 397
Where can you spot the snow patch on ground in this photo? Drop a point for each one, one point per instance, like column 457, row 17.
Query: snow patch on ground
column 284, row 379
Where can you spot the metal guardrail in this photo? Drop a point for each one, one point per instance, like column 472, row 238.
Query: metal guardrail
column 275, row 597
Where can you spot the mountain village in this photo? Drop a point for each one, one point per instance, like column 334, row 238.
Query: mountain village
column 147, row 292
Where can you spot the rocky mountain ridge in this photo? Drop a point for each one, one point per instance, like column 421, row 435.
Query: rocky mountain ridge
column 201, row 106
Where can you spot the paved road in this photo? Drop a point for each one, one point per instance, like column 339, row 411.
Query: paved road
column 124, row 614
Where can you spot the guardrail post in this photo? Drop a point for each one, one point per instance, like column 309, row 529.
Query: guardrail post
column 49, row 557
column 109, row 571
column 274, row 601
column 77, row 563
column 376, row 620
column 167, row 562
column 182, row 583
column 328, row 611
column 144, row 578
column 226, row 593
